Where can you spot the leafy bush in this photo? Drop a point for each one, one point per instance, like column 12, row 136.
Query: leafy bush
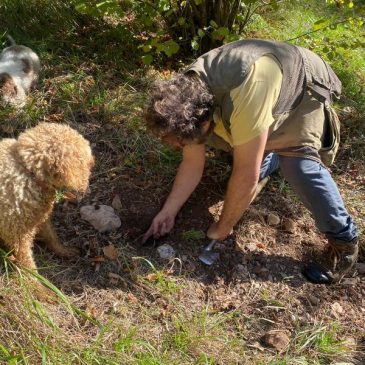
column 170, row 26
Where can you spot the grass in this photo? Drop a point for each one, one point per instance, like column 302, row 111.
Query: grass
column 193, row 235
column 154, row 313
column 295, row 19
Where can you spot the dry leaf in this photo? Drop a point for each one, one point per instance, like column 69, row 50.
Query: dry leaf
column 98, row 259
column 55, row 118
column 152, row 277
column 261, row 246
column 132, row 298
column 117, row 203
column 68, row 196
column 111, row 252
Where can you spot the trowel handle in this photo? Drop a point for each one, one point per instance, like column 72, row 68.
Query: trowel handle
column 210, row 246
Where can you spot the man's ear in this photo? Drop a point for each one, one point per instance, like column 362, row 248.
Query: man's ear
column 205, row 126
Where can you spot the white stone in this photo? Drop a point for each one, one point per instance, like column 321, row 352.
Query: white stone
column 166, row 252
column 101, row 217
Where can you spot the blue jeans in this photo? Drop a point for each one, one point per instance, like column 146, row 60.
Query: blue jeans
column 315, row 187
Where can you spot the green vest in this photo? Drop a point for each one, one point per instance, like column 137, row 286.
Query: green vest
column 225, row 68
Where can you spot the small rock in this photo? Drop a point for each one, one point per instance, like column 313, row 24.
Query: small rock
column 101, row 217
column 289, row 225
column 313, row 300
column 336, row 309
column 277, row 340
column 166, row 252
column 360, row 267
column 241, row 271
column 262, row 272
column 117, row 203
column 241, row 268
column 273, row 219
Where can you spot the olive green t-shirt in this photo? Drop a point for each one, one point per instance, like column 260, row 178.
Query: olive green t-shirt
column 253, row 103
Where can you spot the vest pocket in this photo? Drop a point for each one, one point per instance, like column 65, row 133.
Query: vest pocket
column 320, row 78
column 331, row 140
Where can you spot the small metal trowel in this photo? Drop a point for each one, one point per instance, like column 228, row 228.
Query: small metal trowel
column 208, row 256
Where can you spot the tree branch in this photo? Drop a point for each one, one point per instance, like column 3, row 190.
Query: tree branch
column 317, row 30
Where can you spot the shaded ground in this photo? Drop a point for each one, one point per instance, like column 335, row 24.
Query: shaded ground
column 258, row 274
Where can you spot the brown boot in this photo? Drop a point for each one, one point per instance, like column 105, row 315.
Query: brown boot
column 343, row 257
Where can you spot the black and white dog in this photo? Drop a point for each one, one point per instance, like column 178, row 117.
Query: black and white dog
column 19, row 72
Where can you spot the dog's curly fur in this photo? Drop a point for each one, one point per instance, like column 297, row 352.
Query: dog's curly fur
column 42, row 160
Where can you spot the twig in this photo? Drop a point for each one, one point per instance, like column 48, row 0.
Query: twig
column 317, row 30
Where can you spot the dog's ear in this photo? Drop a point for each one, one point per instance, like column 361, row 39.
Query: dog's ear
column 27, row 66
column 7, row 85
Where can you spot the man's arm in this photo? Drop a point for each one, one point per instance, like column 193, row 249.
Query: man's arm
column 247, row 159
column 187, row 178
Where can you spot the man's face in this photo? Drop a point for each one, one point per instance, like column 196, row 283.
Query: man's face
column 177, row 142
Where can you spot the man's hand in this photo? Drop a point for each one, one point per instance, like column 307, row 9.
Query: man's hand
column 161, row 225
column 217, row 232
column 187, row 178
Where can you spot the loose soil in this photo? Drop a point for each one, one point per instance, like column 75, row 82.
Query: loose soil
column 259, row 271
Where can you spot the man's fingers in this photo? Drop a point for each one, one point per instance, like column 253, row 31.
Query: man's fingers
column 163, row 229
column 158, row 229
column 148, row 234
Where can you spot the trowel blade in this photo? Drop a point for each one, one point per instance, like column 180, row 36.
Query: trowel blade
column 209, row 257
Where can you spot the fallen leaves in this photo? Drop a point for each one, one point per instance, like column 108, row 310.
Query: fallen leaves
column 55, row 118
column 132, row 298
column 68, row 196
column 99, row 258
column 111, row 252
column 152, row 277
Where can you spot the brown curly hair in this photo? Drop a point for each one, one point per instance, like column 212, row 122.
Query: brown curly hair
column 179, row 106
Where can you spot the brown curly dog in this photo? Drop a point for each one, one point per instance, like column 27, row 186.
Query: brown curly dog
column 41, row 161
